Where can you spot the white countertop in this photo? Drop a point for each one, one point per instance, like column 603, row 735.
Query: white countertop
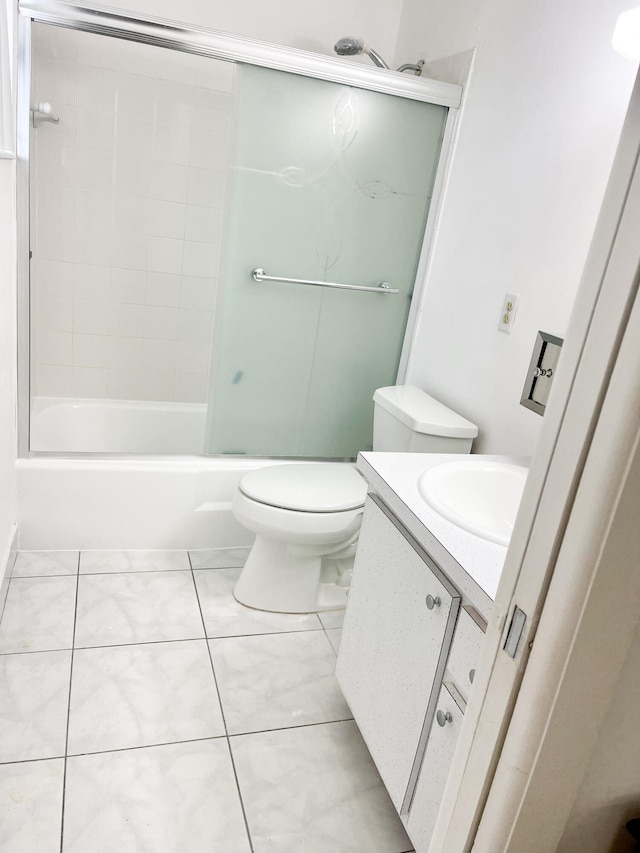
column 473, row 564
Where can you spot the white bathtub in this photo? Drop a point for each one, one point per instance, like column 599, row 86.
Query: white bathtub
column 132, row 502
column 64, row 424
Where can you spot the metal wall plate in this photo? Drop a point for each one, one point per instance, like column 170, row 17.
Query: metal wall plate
column 542, row 368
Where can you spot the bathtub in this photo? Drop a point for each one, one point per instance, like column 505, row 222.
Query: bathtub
column 126, row 502
column 65, row 424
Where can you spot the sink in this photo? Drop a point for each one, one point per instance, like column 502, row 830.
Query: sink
column 476, row 494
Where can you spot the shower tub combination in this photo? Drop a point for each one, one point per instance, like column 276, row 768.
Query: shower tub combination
column 100, row 471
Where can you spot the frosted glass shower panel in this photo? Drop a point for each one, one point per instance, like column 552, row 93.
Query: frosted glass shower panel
column 328, row 183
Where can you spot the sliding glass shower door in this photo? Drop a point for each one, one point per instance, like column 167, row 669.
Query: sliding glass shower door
column 328, row 184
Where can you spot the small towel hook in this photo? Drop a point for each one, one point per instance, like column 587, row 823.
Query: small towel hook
column 43, row 112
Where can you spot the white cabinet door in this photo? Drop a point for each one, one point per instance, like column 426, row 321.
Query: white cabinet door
column 435, row 769
column 397, row 631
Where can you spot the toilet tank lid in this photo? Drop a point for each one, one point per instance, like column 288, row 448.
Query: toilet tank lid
column 307, row 486
column 422, row 413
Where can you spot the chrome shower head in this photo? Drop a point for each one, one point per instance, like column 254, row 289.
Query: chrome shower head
column 350, row 46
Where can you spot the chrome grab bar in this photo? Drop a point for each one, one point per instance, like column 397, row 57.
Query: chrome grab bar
column 382, row 287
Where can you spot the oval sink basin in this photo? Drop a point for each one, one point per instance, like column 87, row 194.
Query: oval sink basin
column 478, row 495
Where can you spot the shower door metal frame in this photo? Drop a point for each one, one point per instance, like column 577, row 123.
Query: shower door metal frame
column 173, row 35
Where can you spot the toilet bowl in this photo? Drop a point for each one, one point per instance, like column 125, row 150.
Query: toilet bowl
column 306, row 515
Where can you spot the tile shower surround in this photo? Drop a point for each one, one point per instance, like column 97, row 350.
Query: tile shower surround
column 143, row 710
column 127, row 195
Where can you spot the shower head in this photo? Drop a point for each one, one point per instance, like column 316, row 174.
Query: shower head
column 350, row 46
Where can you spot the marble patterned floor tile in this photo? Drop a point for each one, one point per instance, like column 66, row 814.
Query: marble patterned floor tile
column 31, row 806
column 34, row 698
column 127, row 696
column 225, row 617
column 38, row 614
column 105, row 562
column 219, row 558
column 175, row 798
column 31, row 564
column 334, row 635
column 277, row 680
column 332, row 618
column 315, row 789
column 136, row 608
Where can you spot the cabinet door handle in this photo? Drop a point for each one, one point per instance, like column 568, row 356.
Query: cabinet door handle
column 443, row 717
column 472, row 675
column 432, row 602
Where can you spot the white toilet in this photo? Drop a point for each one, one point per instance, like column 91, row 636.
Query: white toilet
column 306, row 515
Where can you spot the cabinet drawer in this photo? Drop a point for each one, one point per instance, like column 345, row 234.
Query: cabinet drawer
column 465, row 650
column 397, row 631
column 434, row 771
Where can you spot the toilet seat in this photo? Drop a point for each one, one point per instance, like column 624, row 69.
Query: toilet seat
column 309, row 487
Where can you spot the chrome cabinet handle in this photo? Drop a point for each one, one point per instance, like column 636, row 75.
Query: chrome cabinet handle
column 432, row 602
column 443, row 717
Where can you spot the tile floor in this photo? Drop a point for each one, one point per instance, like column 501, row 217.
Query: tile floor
column 143, row 710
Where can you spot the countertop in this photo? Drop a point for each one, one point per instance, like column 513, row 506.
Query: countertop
column 473, row 564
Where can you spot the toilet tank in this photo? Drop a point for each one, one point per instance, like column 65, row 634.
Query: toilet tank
column 407, row 419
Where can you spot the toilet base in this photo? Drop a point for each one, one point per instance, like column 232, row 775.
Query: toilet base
column 284, row 578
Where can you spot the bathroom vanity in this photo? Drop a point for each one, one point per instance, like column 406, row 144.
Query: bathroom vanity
column 418, row 605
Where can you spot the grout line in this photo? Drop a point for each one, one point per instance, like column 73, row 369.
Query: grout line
column 145, row 746
column 31, row 760
column 224, row 721
column 66, row 739
column 291, row 728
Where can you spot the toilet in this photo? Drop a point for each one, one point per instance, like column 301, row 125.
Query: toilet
column 307, row 515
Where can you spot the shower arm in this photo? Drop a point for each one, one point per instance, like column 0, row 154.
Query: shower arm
column 417, row 68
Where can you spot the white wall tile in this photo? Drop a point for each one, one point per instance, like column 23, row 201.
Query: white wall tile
column 194, row 326
column 99, row 51
column 192, row 357
column 138, row 98
column 200, row 259
column 165, row 255
column 56, row 242
column 130, row 250
column 167, row 219
column 55, row 347
column 53, row 277
column 93, row 209
column 56, row 83
column 93, row 170
column 90, row 317
column 172, row 142
column 157, row 385
column 163, row 289
column 125, row 384
column 168, row 181
column 190, row 388
column 126, row 321
column 206, row 188
column 95, row 90
column 57, row 204
column 131, row 214
column 208, row 149
column 214, row 74
column 159, row 355
column 214, row 113
column 95, row 130
column 93, row 246
column 161, row 323
column 134, row 136
column 138, row 59
column 197, row 293
column 203, row 224
column 129, row 286
column 131, row 176
column 126, row 353
column 53, row 380
column 55, row 314
column 91, row 350
column 91, row 282
column 89, row 382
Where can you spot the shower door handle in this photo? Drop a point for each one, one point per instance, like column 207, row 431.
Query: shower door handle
column 382, row 286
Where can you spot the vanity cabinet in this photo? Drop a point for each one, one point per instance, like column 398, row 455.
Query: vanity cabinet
column 398, row 629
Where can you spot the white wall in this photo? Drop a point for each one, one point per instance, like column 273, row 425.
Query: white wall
column 541, row 118
column 305, row 24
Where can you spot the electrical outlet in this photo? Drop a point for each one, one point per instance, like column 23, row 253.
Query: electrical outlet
column 508, row 313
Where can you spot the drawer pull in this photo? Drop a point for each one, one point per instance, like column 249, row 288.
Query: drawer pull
column 472, row 675
column 443, row 717
column 432, row 602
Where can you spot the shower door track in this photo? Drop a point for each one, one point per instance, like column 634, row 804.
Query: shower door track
column 162, row 32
